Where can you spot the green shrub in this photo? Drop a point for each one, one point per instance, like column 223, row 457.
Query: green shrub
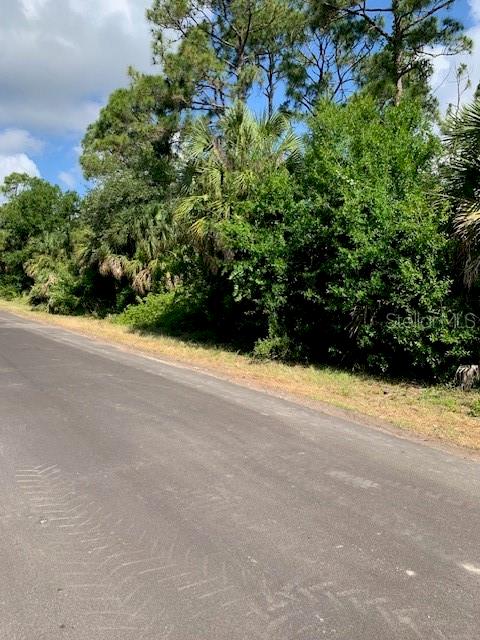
column 274, row 348
column 475, row 408
column 10, row 287
column 35, row 220
column 370, row 269
column 55, row 290
column 147, row 313
column 175, row 313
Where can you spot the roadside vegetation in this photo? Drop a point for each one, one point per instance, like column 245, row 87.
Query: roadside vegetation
column 437, row 413
column 278, row 194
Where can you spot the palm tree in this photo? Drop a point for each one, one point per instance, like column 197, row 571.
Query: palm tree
column 129, row 232
column 223, row 161
column 463, row 183
column 135, row 248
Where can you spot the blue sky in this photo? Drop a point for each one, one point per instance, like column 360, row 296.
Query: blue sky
column 61, row 59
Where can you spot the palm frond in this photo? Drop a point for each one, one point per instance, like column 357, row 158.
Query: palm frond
column 224, row 161
column 187, row 204
column 463, row 183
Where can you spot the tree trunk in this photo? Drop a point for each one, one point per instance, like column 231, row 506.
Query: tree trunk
column 397, row 52
column 398, row 90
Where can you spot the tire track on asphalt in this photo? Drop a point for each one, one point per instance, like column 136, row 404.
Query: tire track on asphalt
column 125, row 580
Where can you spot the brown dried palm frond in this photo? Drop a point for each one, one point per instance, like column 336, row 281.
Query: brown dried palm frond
column 113, row 265
column 142, row 282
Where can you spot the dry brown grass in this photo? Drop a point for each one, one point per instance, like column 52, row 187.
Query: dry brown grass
column 434, row 413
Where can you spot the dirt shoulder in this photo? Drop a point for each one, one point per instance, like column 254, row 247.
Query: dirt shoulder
column 437, row 414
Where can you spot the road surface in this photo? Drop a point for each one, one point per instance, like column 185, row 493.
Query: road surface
column 144, row 501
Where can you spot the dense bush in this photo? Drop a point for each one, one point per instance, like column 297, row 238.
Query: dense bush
column 36, row 227
column 370, row 264
column 257, row 238
column 175, row 313
column 55, row 286
column 349, row 259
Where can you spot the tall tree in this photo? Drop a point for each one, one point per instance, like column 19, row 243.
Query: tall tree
column 127, row 152
column 217, row 52
column 36, row 224
column 409, row 34
column 134, row 131
column 326, row 61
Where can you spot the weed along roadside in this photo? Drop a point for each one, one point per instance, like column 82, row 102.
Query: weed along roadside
column 436, row 412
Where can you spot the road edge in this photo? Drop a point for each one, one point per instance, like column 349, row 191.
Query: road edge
column 329, row 409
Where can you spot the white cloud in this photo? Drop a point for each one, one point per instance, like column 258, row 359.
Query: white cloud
column 72, row 177
column 18, row 162
column 68, row 178
column 475, row 9
column 103, row 9
column 18, row 141
column 31, row 8
column 61, row 59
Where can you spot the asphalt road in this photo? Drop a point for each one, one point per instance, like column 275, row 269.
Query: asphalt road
column 143, row 501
